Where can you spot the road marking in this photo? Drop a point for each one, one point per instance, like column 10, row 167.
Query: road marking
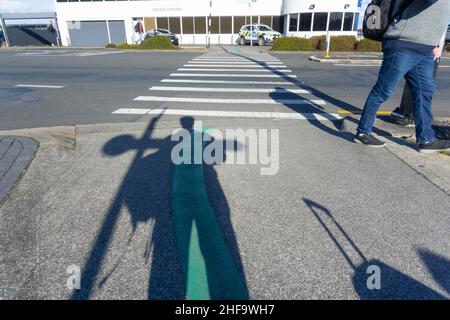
column 234, row 114
column 239, row 60
column 38, row 86
column 232, row 101
column 282, row 83
column 206, row 263
column 380, row 113
column 357, row 65
column 233, row 66
column 248, row 90
column 235, row 63
column 231, row 75
column 231, row 70
column 64, row 53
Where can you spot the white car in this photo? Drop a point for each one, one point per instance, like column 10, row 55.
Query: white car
column 261, row 34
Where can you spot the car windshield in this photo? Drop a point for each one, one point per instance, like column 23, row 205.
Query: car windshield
column 264, row 28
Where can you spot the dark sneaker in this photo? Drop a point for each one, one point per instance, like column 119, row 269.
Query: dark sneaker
column 368, row 140
column 401, row 120
column 437, row 145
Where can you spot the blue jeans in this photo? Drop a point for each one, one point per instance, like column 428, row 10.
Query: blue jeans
column 418, row 71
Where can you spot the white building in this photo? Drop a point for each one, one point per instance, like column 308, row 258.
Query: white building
column 98, row 22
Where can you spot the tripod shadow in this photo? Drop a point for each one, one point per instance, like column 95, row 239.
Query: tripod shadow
column 155, row 190
column 395, row 285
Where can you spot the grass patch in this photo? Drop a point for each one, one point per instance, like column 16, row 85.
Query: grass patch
column 155, row 43
column 292, row 44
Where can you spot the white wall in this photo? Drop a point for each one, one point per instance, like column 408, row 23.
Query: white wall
column 126, row 10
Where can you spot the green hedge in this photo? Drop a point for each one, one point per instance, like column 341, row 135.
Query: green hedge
column 367, row 45
column 338, row 44
column 155, row 43
column 292, row 44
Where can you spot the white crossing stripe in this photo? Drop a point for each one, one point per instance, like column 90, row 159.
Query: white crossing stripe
column 235, row 63
column 234, row 66
column 235, row 70
column 238, row 60
column 232, row 101
column 38, row 86
column 235, row 114
column 281, row 83
column 247, row 90
column 231, row 75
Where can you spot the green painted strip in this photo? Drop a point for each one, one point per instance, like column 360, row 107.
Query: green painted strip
column 205, row 261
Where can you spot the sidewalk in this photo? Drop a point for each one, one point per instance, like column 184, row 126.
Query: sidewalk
column 106, row 198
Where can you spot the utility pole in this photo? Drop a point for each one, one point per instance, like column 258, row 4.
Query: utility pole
column 208, row 42
column 251, row 21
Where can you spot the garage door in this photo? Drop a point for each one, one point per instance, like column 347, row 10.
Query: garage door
column 95, row 33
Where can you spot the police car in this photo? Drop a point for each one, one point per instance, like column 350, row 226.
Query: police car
column 262, row 34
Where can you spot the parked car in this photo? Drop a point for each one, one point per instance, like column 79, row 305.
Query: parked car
column 262, row 34
column 162, row 32
column 447, row 37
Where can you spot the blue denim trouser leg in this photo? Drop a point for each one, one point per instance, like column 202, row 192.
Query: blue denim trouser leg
column 418, row 71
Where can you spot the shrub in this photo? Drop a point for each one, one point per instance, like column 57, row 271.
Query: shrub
column 339, row 43
column 316, row 41
column 157, row 43
column 127, row 46
column 367, row 45
column 292, row 44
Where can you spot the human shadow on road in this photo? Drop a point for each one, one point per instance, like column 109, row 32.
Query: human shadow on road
column 438, row 266
column 395, row 285
column 183, row 224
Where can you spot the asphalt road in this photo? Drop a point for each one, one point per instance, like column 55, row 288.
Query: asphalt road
column 96, row 83
column 116, row 206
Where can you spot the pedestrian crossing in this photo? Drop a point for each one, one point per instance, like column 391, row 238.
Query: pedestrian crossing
column 234, row 86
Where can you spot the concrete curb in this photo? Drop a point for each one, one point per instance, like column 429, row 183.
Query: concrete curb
column 16, row 154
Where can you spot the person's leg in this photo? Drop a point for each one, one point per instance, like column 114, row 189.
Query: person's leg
column 395, row 65
column 421, row 82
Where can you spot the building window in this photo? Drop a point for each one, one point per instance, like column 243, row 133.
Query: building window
column 356, row 21
column 225, row 25
column 162, row 23
column 335, row 21
column 348, row 21
column 200, row 25
column 174, row 25
column 293, row 22
column 320, row 21
column 188, row 25
column 267, row 20
column 238, row 23
column 278, row 23
column 215, row 25
column 305, row 22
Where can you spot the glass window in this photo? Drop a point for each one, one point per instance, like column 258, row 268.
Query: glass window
column 225, row 25
column 200, row 25
column 264, row 28
column 320, row 21
column 348, row 21
column 267, row 20
column 239, row 22
column 356, row 21
column 293, row 22
column 174, row 24
column 335, row 21
column 162, row 22
column 278, row 23
column 188, row 25
column 215, row 25
column 305, row 22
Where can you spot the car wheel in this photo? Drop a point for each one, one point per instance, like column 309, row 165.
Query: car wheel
column 242, row 41
column 261, row 41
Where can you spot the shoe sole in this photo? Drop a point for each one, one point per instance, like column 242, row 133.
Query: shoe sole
column 369, row 145
column 426, row 151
